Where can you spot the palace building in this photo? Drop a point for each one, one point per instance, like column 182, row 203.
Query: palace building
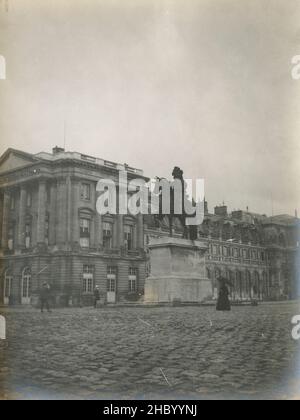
column 50, row 231
column 259, row 255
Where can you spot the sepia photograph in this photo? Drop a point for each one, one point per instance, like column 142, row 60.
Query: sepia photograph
column 149, row 202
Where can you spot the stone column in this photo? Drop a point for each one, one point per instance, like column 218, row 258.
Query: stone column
column 115, row 233
column 93, row 222
column 98, row 230
column 52, row 214
column 69, row 209
column 5, row 219
column 22, row 216
column 75, row 215
column 120, row 231
column 41, row 212
column 61, row 225
column 140, row 231
column 134, row 239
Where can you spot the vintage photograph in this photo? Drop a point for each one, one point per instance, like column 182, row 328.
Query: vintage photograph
column 149, row 199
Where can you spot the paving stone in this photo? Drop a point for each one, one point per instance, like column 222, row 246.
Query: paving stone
column 80, row 353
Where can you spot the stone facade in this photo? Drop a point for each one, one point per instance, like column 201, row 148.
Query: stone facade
column 259, row 255
column 50, row 231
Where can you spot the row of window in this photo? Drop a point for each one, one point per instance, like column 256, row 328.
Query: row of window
column 235, row 275
column 25, row 285
column 88, row 285
column 242, row 284
column 227, row 251
column 28, row 235
column 88, row 281
column 85, row 229
column 111, row 270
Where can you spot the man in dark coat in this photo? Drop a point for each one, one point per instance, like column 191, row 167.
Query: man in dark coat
column 45, row 297
column 223, row 303
column 96, row 296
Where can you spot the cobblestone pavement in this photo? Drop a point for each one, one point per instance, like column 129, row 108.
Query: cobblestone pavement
column 161, row 352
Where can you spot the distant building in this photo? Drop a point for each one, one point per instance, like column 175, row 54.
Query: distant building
column 259, row 255
column 50, row 231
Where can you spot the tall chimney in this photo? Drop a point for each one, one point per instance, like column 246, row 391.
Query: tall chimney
column 221, row 211
column 57, row 150
column 205, row 207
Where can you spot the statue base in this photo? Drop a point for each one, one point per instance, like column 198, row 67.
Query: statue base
column 178, row 272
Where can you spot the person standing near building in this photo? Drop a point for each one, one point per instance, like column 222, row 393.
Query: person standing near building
column 45, row 297
column 223, row 303
column 96, row 296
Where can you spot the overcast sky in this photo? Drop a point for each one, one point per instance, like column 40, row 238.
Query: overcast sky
column 202, row 84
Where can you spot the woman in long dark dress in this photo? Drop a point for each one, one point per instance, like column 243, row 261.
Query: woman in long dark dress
column 223, row 303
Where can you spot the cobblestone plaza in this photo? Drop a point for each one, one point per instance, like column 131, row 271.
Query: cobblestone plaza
column 157, row 352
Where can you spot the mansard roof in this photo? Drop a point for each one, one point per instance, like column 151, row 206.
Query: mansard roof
column 282, row 219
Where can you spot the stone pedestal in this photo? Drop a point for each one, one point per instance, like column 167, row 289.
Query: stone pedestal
column 178, row 272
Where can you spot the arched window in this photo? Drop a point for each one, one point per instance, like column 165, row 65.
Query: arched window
column 248, row 284
column 265, row 285
column 238, row 284
column 26, row 286
column 230, row 277
column 256, row 285
column 7, row 286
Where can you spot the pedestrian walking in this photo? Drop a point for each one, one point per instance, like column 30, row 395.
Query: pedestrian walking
column 45, row 297
column 96, row 296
